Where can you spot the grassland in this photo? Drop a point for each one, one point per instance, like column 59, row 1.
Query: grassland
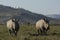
column 28, row 32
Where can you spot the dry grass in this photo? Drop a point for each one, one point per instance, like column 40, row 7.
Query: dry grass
column 28, row 32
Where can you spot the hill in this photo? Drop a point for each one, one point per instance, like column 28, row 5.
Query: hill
column 25, row 16
column 56, row 16
column 56, row 19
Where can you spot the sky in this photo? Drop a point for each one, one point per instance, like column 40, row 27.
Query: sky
column 45, row 7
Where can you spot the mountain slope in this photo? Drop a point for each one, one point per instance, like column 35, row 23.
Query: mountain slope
column 25, row 16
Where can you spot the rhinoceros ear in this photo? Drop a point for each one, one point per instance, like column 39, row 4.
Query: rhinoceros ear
column 13, row 20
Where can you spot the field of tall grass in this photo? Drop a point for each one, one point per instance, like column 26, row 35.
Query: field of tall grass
column 28, row 32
